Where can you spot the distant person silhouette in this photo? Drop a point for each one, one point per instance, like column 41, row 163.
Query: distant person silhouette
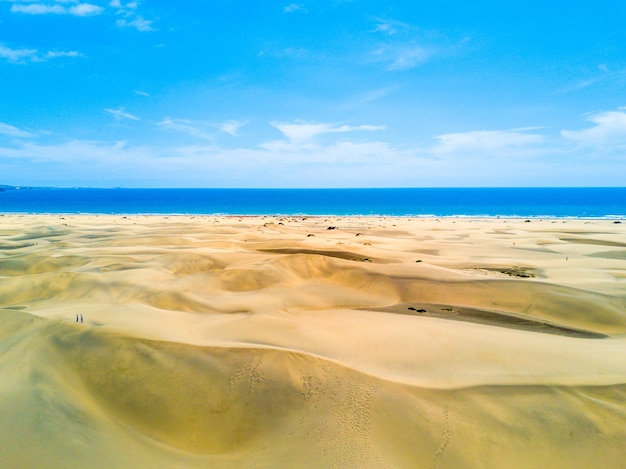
column 81, row 318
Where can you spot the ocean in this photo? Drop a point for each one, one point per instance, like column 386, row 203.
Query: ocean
column 488, row 202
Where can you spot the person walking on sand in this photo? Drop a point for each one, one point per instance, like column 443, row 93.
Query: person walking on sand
column 81, row 317
column 77, row 318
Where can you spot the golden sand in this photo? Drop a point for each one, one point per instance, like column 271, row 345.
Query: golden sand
column 230, row 342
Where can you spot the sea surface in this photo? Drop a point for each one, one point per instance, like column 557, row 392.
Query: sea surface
column 491, row 202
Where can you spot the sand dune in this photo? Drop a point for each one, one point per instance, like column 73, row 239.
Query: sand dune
column 311, row 342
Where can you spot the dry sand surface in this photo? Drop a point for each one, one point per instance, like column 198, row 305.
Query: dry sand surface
column 323, row 342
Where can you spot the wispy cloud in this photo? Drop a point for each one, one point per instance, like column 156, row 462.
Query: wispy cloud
column 18, row 55
column 119, row 114
column 391, row 27
column 187, row 126
column 231, row 127
column 38, row 9
column 201, row 129
column 293, row 7
column 81, row 156
column 33, row 55
column 85, row 9
column 607, row 132
column 377, row 94
column 402, row 56
column 603, row 74
column 130, row 17
column 81, row 9
column 54, row 54
column 141, row 24
column 12, row 131
column 403, row 46
column 487, row 142
column 303, row 131
column 141, row 93
column 367, row 97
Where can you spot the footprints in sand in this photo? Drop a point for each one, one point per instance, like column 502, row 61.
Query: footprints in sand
column 248, row 371
column 345, row 398
column 445, row 439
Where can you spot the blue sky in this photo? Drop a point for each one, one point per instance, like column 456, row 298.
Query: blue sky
column 336, row 93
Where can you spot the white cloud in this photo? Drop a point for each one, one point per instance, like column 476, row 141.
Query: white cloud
column 293, row 7
column 231, row 127
column 605, row 75
column 201, row 129
column 401, row 51
column 130, row 17
column 487, row 142
column 33, row 55
column 608, row 131
column 402, row 56
column 187, row 126
column 82, row 9
column 404, row 46
column 141, row 93
column 391, row 27
column 120, row 114
column 80, row 157
column 85, row 9
column 18, row 55
column 38, row 9
column 302, row 132
column 12, row 131
column 375, row 95
column 139, row 23
column 53, row 54
column 119, row 5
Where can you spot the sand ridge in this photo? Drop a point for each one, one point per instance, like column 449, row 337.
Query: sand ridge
column 311, row 341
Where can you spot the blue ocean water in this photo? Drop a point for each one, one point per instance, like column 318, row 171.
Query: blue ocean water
column 492, row 202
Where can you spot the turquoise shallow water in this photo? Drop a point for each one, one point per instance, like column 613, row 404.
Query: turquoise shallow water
column 492, row 202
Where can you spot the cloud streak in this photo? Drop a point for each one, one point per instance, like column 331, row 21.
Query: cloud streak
column 130, row 18
column 404, row 47
column 201, row 129
column 81, row 9
column 487, row 142
column 18, row 55
column 190, row 127
column 302, row 131
column 294, row 7
column 232, row 127
column 404, row 57
column 139, row 23
column 607, row 132
column 605, row 75
column 33, row 55
column 12, row 131
column 119, row 114
column 391, row 27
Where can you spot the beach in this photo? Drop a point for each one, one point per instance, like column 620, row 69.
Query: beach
column 322, row 342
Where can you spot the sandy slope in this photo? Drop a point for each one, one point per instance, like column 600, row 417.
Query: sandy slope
column 278, row 342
